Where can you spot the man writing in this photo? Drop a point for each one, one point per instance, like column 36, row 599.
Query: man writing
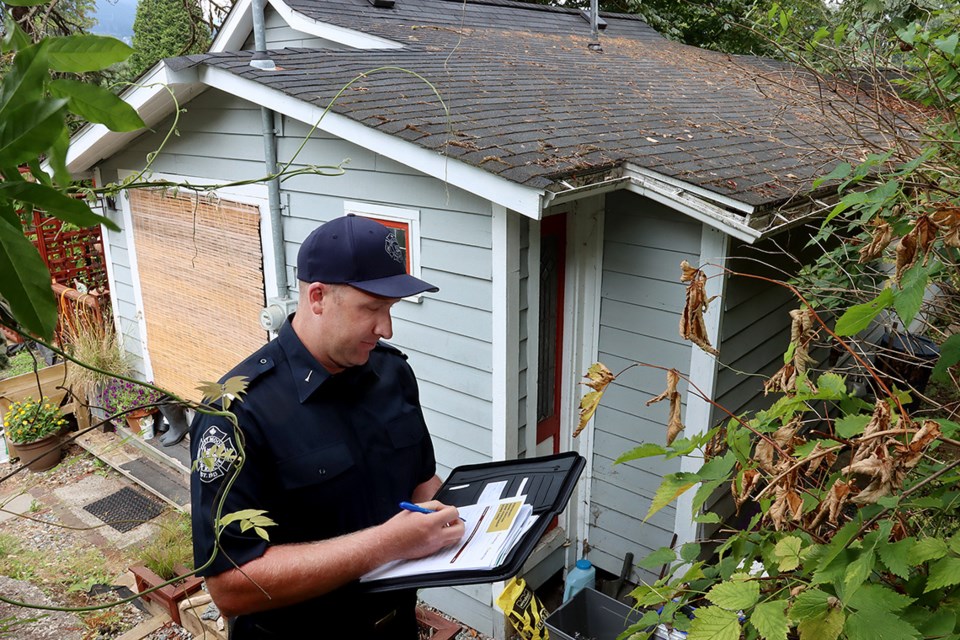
column 334, row 441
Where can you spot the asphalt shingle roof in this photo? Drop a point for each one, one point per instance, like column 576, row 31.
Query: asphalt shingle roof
column 530, row 101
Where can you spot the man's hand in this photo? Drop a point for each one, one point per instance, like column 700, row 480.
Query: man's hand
column 409, row 535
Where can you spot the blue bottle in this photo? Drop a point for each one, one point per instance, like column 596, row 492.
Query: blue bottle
column 582, row 575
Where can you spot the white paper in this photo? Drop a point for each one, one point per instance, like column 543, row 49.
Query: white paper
column 492, row 492
column 491, row 530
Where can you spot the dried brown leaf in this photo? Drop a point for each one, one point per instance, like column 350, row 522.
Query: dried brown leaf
column 833, row 504
column 674, row 423
column 926, row 232
column 948, row 219
column 879, row 240
column 599, row 378
column 906, row 254
column 692, row 326
column 751, row 478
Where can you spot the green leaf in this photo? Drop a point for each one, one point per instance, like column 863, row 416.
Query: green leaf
column 736, row 595
column 672, row 485
column 29, row 130
column 708, row 518
column 851, row 425
column 949, row 356
column 943, row 573
column 932, row 624
column 838, row 544
column 14, row 38
column 858, row 571
column 97, row 105
column 646, row 450
column 909, row 297
column 858, row 317
column 26, row 281
column 658, row 558
column 770, row 620
column 927, row 549
column 878, row 625
column 81, row 53
column 896, row 556
column 826, row 626
column 839, row 172
column 713, row 623
column 809, row 604
column 23, row 81
column 787, row 552
column 947, row 45
column 831, row 386
column 55, row 203
column 689, row 551
column 876, row 597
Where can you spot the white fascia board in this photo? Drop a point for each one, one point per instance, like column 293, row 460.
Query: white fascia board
column 519, row 198
column 700, row 192
column 235, row 29
column 686, row 203
column 347, row 37
column 152, row 101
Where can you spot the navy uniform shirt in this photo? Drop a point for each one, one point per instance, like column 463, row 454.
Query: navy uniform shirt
column 324, row 455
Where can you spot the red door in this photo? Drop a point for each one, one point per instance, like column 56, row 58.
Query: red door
column 553, row 249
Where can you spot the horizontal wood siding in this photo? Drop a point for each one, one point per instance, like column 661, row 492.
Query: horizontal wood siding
column 641, row 300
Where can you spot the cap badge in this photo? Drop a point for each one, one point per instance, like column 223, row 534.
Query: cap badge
column 392, row 247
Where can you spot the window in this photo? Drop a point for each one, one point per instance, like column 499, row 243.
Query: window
column 406, row 223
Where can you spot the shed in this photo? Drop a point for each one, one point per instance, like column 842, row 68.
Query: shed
column 548, row 182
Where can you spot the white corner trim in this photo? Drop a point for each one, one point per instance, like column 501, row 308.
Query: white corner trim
column 510, row 195
column 347, row 37
column 698, row 191
column 141, row 319
column 714, row 245
column 505, row 355
column 235, row 29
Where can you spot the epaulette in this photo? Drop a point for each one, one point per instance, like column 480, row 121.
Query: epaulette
column 389, row 348
column 251, row 369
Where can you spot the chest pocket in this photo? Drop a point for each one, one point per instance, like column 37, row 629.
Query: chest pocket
column 325, row 466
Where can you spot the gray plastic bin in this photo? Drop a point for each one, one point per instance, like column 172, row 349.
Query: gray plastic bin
column 591, row 615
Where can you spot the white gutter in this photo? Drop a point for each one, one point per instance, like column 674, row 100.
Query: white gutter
column 524, row 200
column 347, row 37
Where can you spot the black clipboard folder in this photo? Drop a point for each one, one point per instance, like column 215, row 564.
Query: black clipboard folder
column 550, row 481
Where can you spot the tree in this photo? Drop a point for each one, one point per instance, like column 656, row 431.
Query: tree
column 165, row 28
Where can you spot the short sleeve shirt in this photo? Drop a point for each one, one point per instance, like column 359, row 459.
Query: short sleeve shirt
column 323, row 455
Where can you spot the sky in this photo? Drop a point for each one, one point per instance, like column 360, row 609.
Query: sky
column 115, row 18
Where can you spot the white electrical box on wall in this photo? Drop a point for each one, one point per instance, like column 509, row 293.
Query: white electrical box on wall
column 276, row 311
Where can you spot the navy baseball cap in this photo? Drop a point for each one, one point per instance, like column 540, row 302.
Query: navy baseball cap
column 360, row 252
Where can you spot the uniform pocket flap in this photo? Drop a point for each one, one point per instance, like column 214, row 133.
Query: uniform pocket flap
column 316, row 466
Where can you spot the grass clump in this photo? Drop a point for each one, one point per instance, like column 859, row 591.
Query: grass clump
column 171, row 548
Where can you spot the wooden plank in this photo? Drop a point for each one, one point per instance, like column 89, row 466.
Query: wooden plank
column 658, row 323
column 633, row 347
column 438, row 396
column 454, row 375
column 611, row 445
column 460, row 227
column 457, row 258
column 455, row 429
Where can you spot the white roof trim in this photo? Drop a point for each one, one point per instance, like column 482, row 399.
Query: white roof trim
column 341, row 35
column 235, row 29
column 152, row 100
column 524, row 200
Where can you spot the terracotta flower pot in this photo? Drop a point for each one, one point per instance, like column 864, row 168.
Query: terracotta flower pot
column 40, row 455
column 133, row 418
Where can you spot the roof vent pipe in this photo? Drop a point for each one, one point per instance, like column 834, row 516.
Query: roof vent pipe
column 260, row 59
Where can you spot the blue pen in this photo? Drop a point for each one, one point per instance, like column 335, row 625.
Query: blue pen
column 409, row 506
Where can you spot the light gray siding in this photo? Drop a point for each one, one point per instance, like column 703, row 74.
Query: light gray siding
column 641, row 300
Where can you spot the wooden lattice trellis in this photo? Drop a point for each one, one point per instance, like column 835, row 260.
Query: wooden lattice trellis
column 73, row 256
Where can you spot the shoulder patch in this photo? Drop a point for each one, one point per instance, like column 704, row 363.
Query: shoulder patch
column 216, row 453
column 386, row 347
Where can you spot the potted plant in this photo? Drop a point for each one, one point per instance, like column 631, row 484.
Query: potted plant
column 92, row 340
column 168, row 555
column 34, row 428
column 134, row 400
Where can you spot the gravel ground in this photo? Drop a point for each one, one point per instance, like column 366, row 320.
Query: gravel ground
column 57, row 547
